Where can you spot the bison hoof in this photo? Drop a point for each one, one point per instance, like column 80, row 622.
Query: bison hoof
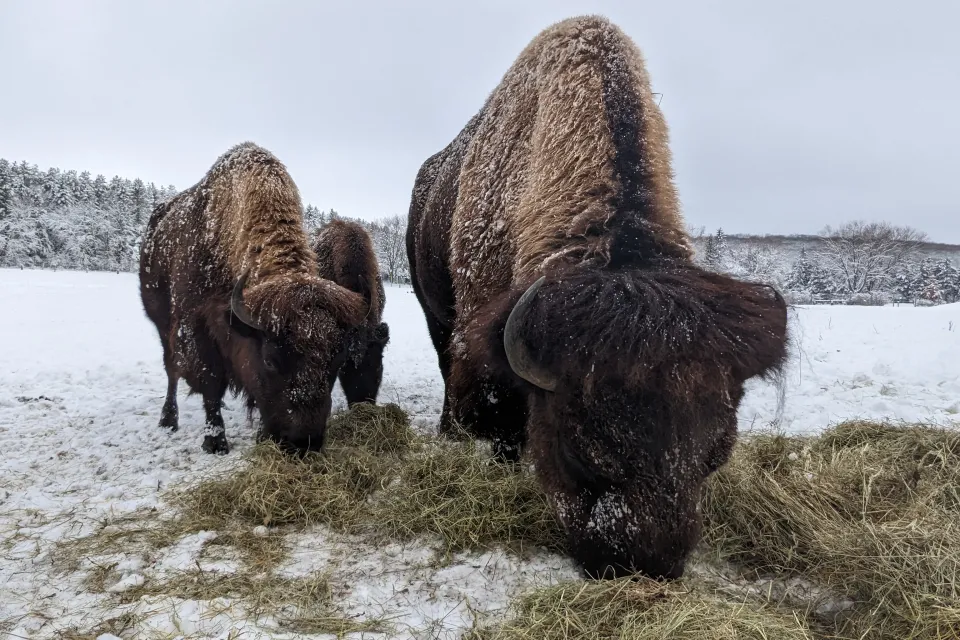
column 170, row 422
column 216, row 444
column 508, row 454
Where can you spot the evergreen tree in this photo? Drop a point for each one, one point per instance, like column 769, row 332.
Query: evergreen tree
column 948, row 280
column 57, row 193
column 721, row 241
column 926, row 286
column 27, row 184
column 931, row 292
column 99, row 191
column 154, row 196
column 83, row 191
column 711, row 257
column 138, row 201
column 312, row 218
column 70, row 183
column 118, row 194
column 822, row 284
column 6, row 189
column 904, row 283
column 802, row 273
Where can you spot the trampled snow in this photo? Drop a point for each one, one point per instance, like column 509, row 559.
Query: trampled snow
column 82, row 383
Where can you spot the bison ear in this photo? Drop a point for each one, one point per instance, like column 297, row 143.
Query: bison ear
column 762, row 333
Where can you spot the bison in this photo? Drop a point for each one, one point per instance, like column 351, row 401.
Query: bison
column 228, row 277
column 550, row 258
column 345, row 255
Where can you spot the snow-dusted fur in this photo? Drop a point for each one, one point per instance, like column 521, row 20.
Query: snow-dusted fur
column 566, row 173
column 245, row 217
column 345, row 255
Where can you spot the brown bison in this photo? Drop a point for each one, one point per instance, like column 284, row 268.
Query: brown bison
column 549, row 255
column 228, row 277
column 345, row 255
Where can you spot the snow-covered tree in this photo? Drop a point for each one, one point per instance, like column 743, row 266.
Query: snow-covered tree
column 389, row 240
column 313, row 218
column 947, row 278
column 757, row 264
column 99, row 200
column 83, row 189
column 137, row 195
column 801, row 274
column 931, row 291
column 711, row 257
column 862, row 257
column 118, row 193
column 6, row 188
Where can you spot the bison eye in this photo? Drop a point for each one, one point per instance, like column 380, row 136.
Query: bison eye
column 271, row 364
column 271, row 357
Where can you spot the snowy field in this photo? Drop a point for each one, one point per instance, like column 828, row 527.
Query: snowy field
column 82, row 383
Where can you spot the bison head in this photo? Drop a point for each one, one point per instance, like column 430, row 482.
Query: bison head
column 633, row 381
column 289, row 337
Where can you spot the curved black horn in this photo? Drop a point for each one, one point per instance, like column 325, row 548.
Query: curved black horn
column 238, row 307
column 521, row 360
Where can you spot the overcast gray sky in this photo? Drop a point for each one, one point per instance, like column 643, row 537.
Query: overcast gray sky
column 785, row 116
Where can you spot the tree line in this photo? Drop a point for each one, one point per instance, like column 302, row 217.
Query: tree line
column 69, row 220
column 865, row 263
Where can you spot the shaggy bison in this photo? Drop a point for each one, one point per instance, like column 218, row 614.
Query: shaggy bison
column 345, row 255
column 549, row 255
column 228, row 277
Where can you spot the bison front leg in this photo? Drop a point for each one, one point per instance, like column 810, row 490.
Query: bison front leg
column 487, row 407
column 214, row 434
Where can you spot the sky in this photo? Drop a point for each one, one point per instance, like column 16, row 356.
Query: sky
column 784, row 116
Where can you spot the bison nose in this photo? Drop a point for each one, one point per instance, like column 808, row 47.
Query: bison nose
column 656, row 571
column 676, row 572
column 304, row 444
column 606, row 571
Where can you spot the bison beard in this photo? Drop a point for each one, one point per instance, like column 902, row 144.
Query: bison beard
column 550, row 259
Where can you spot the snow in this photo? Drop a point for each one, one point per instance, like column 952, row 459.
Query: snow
column 82, row 383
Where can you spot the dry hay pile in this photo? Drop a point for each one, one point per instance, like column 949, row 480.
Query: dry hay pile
column 868, row 511
column 274, row 489
column 378, row 479
column 641, row 610
column 454, row 491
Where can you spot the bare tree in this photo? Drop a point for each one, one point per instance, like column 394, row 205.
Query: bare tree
column 389, row 240
column 862, row 256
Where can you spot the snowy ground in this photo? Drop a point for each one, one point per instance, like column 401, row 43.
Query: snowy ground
column 81, row 385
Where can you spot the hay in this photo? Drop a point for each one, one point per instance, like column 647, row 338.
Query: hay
column 455, row 492
column 418, row 487
column 276, row 489
column 331, row 489
column 867, row 510
column 641, row 610
column 302, row 605
column 117, row 626
column 380, row 429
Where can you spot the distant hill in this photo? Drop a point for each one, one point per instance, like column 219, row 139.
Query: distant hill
column 788, row 246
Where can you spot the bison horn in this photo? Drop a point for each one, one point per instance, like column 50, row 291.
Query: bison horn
column 518, row 355
column 238, row 307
